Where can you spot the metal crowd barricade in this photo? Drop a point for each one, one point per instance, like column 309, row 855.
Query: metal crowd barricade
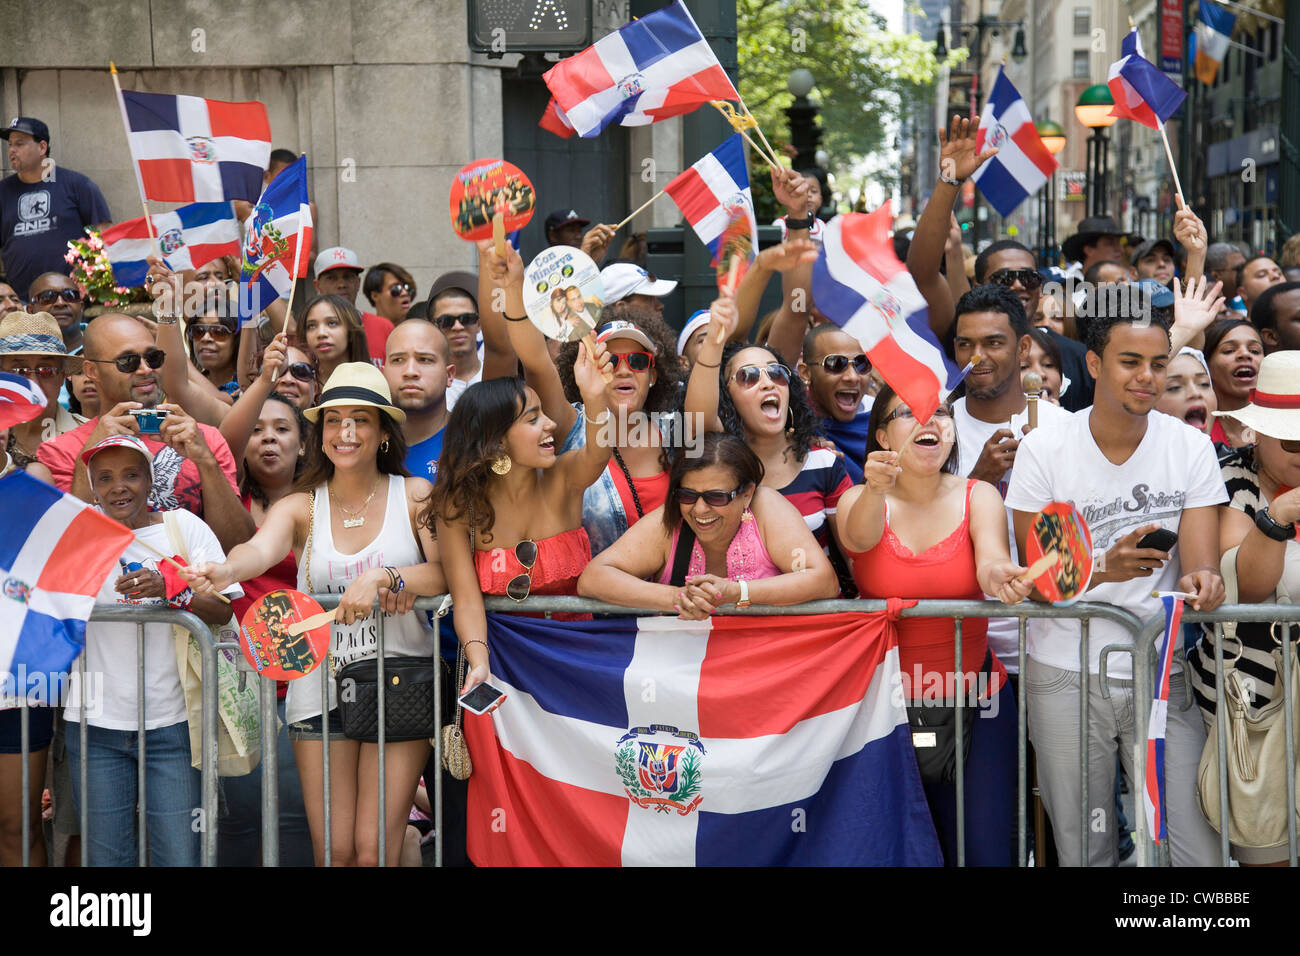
column 139, row 616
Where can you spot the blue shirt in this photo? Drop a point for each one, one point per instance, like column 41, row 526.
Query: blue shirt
column 422, row 457
column 851, row 438
column 38, row 219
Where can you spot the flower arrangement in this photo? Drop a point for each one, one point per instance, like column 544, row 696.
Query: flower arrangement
column 93, row 273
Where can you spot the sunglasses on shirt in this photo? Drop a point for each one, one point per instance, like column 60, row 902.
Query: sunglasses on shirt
column 747, row 376
column 835, row 364
column 521, row 584
column 448, row 322
column 714, row 498
column 130, row 362
column 1028, row 278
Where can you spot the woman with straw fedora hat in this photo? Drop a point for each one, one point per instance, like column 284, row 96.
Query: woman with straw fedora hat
column 352, row 523
column 31, row 345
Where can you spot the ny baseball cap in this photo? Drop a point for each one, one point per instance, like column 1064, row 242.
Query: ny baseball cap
column 119, row 441
column 337, row 257
column 623, row 279
column 29, row 125
column 562, row 217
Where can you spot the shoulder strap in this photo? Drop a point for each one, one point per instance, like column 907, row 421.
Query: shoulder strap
column 682, row 555
column 175, row 535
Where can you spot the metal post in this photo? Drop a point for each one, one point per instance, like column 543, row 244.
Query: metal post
column 1085, row 663
column 325, row 752
column 383, row 779
column 1221, row 744
column 959, row 692
column 83, row 771
column 437, row 743
column 1289, row 724
column 142, row 819
column 1022, row 758
column 24, row 747
column 270, row 773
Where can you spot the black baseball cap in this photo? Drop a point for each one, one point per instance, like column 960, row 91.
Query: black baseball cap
column 562, row 217
column 465, row 282
column 27, row 124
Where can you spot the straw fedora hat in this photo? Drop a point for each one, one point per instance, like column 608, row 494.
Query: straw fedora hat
column 1274, row 408
column 22, row 333
column 356, row 383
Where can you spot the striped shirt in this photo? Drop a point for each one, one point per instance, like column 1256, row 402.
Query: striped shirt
column 816, row 492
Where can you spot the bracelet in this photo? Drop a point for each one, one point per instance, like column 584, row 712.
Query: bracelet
column 468, row 643
column 522, row 318
column 950, row 181
column 707, row 365
column 599, row 419
column 165, row 319
column 805, row 223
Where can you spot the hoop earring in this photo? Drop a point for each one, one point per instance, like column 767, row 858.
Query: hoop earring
column 501, row 464
column 383, row 445
column 789, row 418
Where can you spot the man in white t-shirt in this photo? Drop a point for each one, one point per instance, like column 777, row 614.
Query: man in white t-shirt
column 994, row 413
column 1129, row 470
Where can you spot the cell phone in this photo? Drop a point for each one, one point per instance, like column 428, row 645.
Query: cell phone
column 1162, row 539
column 149, row 420
column 482, row 699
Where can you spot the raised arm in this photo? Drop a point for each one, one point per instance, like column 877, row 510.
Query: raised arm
column 789, row 255
column 237, row 426
column 1191, row 235
column 702, row 389
column 787, row 331
column 1194, row 310
column 579, row 467
column 499, row 359
column 168, row 295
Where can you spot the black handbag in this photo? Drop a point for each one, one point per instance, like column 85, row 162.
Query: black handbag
column 934, row 734
column 408, row 699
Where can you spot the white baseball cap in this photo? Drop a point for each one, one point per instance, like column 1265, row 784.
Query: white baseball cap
column 693, row 324
column 622, row 329
column 119, row 441
column 623, row 279
column 337, row 257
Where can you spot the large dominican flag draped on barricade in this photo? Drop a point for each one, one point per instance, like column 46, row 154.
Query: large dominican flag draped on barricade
column 859, row 284
column 1023, row 164
column 654, row 741
column 281, row 221
column 714, row 191
column 188, row 149
column 649, row 70
column 189, row 237
column 55, row 552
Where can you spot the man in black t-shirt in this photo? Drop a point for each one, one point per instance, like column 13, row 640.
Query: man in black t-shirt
column 42, row 206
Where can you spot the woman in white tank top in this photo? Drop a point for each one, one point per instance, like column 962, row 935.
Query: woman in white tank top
column 353, row 519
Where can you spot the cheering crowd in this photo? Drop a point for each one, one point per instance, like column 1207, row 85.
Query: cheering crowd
column 416, row 446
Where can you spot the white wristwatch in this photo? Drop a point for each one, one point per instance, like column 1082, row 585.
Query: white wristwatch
column 744, row 593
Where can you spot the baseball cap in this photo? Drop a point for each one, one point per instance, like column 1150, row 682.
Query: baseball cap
column 466, row 282
column 1161, row 296
column 336, row 257
column 699, row 318
column 562, row 217
column 623, row 279
column 29, row 125
column 622, row 329
column 1144, row 249
column 119, row 441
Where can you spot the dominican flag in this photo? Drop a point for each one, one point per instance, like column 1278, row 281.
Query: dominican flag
column 1141, row 92
column 280, row 223
column 555, row 120
column 21, row 400
column 714, row 191
column 859, row 284
column 652, row 68
column 55, row 552
column 188, row 149
column 189, row 237
column 658, row 742
column 1023, row 164
column 1214, row 27
column 1153, row 794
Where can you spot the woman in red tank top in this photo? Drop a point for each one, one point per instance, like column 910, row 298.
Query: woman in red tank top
column 919, row 530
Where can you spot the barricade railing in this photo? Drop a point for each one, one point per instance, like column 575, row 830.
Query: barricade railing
column 1142, row 634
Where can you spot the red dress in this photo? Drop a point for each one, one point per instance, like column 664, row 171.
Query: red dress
column 560, row 560
column 944, row 571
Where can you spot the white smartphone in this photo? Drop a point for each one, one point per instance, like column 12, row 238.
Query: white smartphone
column 482, row 699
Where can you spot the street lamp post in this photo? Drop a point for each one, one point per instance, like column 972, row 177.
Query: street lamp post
column 1093, row 111
column 982, row 25
column 1053, row 138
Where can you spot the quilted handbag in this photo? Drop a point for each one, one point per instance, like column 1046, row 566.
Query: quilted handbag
column 408, row 699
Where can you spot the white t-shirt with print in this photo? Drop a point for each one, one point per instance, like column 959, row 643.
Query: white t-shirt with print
column 111, row 659
column 1172, row 469
column 1004, row 632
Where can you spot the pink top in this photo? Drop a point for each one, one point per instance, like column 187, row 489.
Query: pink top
column 747, row 557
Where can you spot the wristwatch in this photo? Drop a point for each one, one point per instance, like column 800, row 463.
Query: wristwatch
column 800, row 223
column 744, row 593
column 1278, row 532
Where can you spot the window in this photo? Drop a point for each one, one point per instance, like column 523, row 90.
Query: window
column 1082, row 21
column 1081, row 69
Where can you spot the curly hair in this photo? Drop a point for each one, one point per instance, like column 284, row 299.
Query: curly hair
column 664, row 394
column 474, row 434
column 803, row 425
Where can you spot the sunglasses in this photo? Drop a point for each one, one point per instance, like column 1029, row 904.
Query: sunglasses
column 446, row 322
column 50, row 296
column 521, row 584
column 216, row 331
column 835, row 364
column 397, row 288
column 1028, row 278
column 38, row 371
column 714, row 498
column 747, row 376
column 902, row 411
column 302, row 371
column 129, row 362
column 636, row 361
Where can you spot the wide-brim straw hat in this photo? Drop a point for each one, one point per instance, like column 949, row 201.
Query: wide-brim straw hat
column 22, row 333
column 356, row 383
column 1274, row 408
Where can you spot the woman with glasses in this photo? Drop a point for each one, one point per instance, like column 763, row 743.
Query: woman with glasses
column 352, row 522
column 334, row 334
column 504, row 503
column 214, row 344
column 721, row 538
column 918, row 530
column 748, row 391
column 390, row 289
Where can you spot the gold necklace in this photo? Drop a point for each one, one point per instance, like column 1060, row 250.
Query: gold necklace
column 350, row 519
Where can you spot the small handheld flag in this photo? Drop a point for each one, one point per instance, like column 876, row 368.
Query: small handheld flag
column 1142, row 93
column 274, row 235
column 1023, row 164
column 21, row 400
column 715, row 198
column 1153, row 792
column 189, row 237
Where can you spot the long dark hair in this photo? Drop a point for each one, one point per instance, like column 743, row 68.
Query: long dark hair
column 802, row 424
column 249, row 485
column 876, row 422
column 718, row 448
column 318, row 468
column 474, row 434
column 358, row 349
